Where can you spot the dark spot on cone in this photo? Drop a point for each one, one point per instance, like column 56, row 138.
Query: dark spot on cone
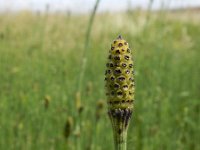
column 112, row 78
column 130, row 65
column 117, row 52
column 123, row 65
column 127, row 72
column 116, row 85
column 117, row 58
column 126, row 57
column 111, row 65
column 108, row 71
column 125, row 86
column 118, row 71
column 120, row 44
column 119, row 93
column 121, row 78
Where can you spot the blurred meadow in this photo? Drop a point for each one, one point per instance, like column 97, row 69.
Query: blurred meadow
column 52, row 85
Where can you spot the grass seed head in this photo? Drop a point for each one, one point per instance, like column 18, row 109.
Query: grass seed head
column 79, row 106
column 68, row 127
column 47, row 100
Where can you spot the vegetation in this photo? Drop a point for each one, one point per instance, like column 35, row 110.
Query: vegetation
column 41, row 107
column 119, row 85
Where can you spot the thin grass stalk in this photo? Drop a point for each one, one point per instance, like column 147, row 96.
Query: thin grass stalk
column 83, row 66
column 149, row 11
column 86, row 47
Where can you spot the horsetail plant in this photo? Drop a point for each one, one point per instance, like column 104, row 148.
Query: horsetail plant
column 119, row 78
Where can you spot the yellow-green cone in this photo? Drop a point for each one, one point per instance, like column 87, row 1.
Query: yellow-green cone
column 120, row 89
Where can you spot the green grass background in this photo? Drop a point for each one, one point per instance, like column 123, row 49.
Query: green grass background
column 40, row 58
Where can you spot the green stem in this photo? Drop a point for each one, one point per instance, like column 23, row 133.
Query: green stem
column 86, row 47
column 120, row 140
column 120, row 121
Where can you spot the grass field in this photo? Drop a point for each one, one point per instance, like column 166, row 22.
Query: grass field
column 40, row 65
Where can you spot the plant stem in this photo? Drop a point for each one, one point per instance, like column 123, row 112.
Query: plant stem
column 87, row 38
column 120, row 121
column 120, row 140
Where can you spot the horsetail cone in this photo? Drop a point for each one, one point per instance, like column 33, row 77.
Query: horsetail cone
column 120, row 89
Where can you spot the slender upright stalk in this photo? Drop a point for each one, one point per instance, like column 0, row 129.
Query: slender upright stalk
column 120, row 90
column 121, row 144
column 83, row 66
column 87, row 38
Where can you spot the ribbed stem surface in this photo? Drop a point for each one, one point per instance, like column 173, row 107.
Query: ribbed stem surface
column 120, row 120
column 120, row 141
